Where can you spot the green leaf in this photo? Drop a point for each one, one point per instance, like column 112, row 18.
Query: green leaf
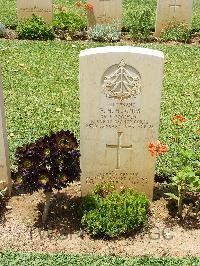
column 172, row 196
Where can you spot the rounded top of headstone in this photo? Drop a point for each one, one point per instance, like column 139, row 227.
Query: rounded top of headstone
column 122, row 49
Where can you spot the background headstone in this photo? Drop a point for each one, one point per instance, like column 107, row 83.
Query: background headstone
column 4, row 161
column 42, row 8
column 172, row 11
column 104, row 12
column 120, row 91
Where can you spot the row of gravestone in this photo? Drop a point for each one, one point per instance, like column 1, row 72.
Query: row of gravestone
column 120, row 92
column 105, row 11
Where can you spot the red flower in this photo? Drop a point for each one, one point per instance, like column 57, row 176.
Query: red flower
column 89, row 6
column 157, row 148
column 178, row 119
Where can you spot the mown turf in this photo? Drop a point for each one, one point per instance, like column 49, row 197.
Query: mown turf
column 31, row 259
column 42, row 92
column 8, row 10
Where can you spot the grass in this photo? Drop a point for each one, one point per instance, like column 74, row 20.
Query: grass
column 23, row 259
column 8, row 10
column 42, row 92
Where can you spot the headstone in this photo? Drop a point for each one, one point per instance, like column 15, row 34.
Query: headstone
column 42, row 8
column 120, row 91
column 172, row 12
column 104, row 12
column 4, row 161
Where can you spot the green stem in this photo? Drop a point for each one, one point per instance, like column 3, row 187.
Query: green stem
column 181, row 193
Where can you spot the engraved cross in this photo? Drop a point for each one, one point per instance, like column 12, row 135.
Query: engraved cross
column 174, row 6
column 119, row 146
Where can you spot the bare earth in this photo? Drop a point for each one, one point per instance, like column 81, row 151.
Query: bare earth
column 21, row 229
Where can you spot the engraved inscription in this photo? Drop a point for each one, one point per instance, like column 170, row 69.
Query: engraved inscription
column 117, row 177
column 121, row 81
column 115, row 115
column 118, row 147
column 104, row 19
column 35, row 9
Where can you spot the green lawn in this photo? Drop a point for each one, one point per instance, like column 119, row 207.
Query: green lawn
column 31, row 259
column 8, row 10
column 42, row 92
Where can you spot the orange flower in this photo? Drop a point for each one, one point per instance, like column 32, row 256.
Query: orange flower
column 89, row 6
column 152, row 148
column 178, row 119
column 157, row 148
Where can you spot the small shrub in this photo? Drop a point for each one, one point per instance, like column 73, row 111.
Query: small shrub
column 105, row 33
column 70, row 21
column 2, row 30
column 138, row 22
column 52, row 162
column 35, row 28
column 107, row 212
column 179, row 33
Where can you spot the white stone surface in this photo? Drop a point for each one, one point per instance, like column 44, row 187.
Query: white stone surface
column 104, row 12
column 4, row 161
column 120, row 91
column 43, row 8
column 172, row 11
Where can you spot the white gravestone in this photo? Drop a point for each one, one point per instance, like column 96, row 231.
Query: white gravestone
column 42, row 8
column 104, row 12
column 4, row 161
column 172, row 12
column 120, row 91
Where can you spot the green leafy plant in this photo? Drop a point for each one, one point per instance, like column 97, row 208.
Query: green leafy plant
column 111, row 213
column 179, row 33
column 35, row 28
column 2, row 30
column 139, row 23
column 105, row 33
column 70, row 21
column 186, row 179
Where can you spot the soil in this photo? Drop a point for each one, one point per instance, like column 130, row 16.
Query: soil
column 21, row 228
column 82, row 36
